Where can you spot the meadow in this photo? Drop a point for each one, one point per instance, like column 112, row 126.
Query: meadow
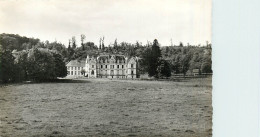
column 103, row 107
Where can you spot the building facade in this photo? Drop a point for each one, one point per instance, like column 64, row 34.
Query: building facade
column 105, row 66
column 75, row 69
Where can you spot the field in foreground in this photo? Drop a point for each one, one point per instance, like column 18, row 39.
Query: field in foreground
column 102, row 107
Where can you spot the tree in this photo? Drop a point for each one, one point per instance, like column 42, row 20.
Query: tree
column 153, row 59
column 70, row 50
column 8, row 42
column 115, row 45
column 73, row 40
column 195, row 62
column 60, row 66
column 137, row 44
column 185, row 59
column 103, row 45
column 69, row 47
column 41, row 65
column 100, row 40
column 181, row 45
column 206, row 62
column 164, row 69
column 176, row 64
column 82, row 38
column 22, row 66
column 206, row 67
column 6, row 66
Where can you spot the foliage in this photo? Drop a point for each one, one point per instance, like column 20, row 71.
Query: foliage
column 41, row 65
column 12, row 41
column 7, row 67
column 30, row 59
column 181, row 58
column 82, row 38
column 22, row 66
column 60, row 68
column 154, row 59
column 164, row 69
column 73, row 41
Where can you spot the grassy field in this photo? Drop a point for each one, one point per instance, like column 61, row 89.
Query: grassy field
column 102, row 107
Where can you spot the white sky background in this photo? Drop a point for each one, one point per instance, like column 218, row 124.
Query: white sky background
column 188, row 21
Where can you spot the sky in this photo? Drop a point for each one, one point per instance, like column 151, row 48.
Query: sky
column 187, row 21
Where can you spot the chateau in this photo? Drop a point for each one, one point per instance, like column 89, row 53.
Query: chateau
column 104, row 66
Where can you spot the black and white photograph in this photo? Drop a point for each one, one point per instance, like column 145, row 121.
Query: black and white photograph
column 106, row 68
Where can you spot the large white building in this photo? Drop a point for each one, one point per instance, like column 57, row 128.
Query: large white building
column 104, row 66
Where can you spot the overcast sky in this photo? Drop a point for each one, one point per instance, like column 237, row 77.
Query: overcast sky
column 188, row 21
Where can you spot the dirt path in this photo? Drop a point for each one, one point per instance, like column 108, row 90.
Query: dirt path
column 107, row 108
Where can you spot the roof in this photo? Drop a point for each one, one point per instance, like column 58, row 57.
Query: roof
column 108, row 57
column 77, row 63
column 102, row 58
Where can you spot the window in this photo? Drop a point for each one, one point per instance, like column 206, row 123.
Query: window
column 92, row 72
column 132, row 65
column 79, row 73
column 92, row 66
column 68, row 72
column 71, row 72
column 122, row 66
column 106, row 66
column 132, row 72
column 75, row 73
column 101, row 66
column 117, row 66
column 78, row 68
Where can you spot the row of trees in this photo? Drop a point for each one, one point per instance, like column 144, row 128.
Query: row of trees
column 156, row 60
column 163, row 61
column 40, row 60
column 153, row 63
column 30, row 61
column 36, row 64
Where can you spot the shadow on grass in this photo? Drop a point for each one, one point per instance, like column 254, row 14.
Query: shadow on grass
column 178, row 79
column 60, row 81
column 54, row 81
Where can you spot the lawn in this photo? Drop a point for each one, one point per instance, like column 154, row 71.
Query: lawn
column 103, row 107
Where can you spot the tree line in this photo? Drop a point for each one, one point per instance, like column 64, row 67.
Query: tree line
column 38, row 60
column 25, row 59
